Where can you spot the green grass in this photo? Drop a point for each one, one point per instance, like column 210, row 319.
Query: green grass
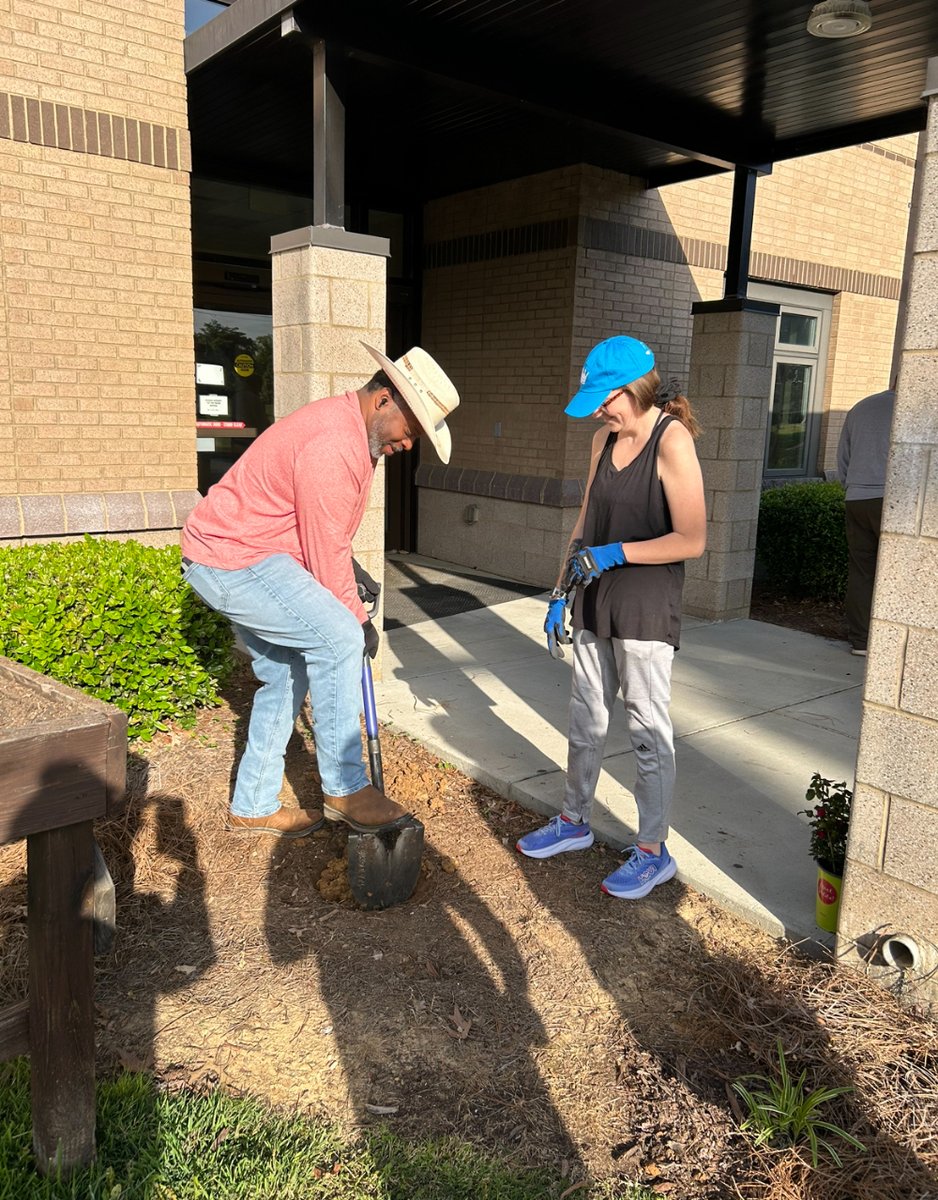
column 156, row 1146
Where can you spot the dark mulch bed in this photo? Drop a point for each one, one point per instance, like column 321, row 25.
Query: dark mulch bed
column 825, row 618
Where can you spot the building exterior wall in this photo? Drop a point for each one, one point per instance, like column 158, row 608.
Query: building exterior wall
column 837, row 221
column 522, row 278
column 889, row 912
column 96, row 354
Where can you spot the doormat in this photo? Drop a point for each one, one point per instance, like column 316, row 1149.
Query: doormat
column 414, row 592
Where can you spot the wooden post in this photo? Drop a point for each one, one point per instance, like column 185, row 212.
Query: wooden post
column 60, row 883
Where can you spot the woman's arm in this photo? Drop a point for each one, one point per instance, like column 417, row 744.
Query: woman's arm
column 682, row 480
column 596, row 449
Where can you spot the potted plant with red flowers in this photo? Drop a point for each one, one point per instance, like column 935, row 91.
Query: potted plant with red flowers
column 829, row 819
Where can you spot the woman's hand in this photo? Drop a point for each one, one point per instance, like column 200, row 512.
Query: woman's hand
column 554, row 625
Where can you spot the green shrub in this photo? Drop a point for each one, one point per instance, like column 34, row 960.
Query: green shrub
column 115, row 620
column 802, row 543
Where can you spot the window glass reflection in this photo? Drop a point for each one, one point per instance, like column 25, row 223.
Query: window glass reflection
column 797, row 329
column 788, row 426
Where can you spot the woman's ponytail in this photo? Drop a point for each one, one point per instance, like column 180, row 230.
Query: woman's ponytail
column 679, row 406
column 649, row 390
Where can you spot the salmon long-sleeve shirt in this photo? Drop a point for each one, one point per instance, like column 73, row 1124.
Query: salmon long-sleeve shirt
column 300, row 489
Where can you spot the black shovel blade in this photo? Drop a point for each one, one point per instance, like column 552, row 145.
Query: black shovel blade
column 383, row 867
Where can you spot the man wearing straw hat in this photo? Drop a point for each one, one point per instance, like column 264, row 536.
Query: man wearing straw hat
column 270, row 546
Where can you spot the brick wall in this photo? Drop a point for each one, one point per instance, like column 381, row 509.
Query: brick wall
column 498, row 316
column 96, row 380
column 522, row 278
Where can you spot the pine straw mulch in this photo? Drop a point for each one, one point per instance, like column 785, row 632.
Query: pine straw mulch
column 508, row 1002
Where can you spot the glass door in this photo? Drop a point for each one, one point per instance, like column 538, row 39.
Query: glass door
column 234, row 387
column 797, row 395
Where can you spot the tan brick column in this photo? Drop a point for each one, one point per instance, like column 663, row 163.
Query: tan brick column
column 889, row 913
column 330, row 295
column 729, row 381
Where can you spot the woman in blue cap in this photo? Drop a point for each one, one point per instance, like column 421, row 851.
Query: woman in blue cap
column 643, row 514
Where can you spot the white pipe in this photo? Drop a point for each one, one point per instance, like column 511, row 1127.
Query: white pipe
column 901, row 951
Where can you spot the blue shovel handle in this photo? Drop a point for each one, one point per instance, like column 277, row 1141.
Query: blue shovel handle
column 371, row 725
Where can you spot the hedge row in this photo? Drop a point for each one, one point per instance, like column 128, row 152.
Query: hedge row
column 801, row 544
column 115, row 620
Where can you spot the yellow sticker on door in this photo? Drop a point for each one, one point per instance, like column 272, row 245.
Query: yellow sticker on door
column 244, row 365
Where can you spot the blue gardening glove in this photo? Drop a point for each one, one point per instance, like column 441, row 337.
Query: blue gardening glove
column 554, row 626
column 590, row 562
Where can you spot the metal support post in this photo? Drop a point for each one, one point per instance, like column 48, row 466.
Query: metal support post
column 328, row 145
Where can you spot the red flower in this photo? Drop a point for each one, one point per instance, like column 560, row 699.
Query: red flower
column 820, row 812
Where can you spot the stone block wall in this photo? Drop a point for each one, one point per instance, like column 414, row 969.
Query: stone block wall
column 889, row 912
column 730, row 376
column 329, row 295
column 96, row 389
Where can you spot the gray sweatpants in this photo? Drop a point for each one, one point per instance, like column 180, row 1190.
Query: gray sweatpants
column 643, row 671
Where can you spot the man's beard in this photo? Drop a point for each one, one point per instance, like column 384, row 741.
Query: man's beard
column 378, row 436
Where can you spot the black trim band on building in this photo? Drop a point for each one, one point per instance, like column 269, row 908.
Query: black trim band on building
column 655, row 245
column 498, row 485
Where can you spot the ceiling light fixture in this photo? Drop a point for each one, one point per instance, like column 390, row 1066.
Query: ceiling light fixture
column 840, row 18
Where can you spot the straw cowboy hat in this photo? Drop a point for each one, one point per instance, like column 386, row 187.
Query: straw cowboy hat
column 428, row 390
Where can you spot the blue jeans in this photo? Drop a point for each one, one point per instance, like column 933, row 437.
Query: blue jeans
column 301, row 639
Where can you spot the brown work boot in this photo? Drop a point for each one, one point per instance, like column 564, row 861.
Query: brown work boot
column 285, row 822
column 365, row 810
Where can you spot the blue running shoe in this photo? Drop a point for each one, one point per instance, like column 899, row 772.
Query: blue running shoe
column 640, row 872
column 555, row 837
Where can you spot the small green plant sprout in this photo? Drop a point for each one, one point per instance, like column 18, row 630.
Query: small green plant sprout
column 829, row 819
column 781, row 1113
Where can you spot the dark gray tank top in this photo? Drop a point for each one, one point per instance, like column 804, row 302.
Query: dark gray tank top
column 641, row 602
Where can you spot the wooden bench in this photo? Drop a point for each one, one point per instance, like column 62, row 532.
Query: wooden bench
column 63, row 763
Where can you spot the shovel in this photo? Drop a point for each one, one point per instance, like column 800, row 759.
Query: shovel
column 384, row 866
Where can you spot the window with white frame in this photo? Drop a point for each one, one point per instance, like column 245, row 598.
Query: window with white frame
column 797, row 391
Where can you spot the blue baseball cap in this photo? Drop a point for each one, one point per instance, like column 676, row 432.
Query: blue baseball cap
column 614, row 363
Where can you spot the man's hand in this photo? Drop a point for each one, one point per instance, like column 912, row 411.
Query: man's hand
column 371, row 638
column 590, row 562
column 554, row 626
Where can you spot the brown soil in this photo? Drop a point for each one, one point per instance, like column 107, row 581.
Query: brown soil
column 508, row 1002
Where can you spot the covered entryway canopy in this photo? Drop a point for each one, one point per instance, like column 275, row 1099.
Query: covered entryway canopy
column 443, row 95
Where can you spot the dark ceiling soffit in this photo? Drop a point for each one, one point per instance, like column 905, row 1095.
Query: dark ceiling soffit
column 236, row 23
column 245, row 18
column 518, row 102
column 581, row 103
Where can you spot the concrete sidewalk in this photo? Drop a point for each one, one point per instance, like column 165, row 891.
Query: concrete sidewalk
column 757, row 709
